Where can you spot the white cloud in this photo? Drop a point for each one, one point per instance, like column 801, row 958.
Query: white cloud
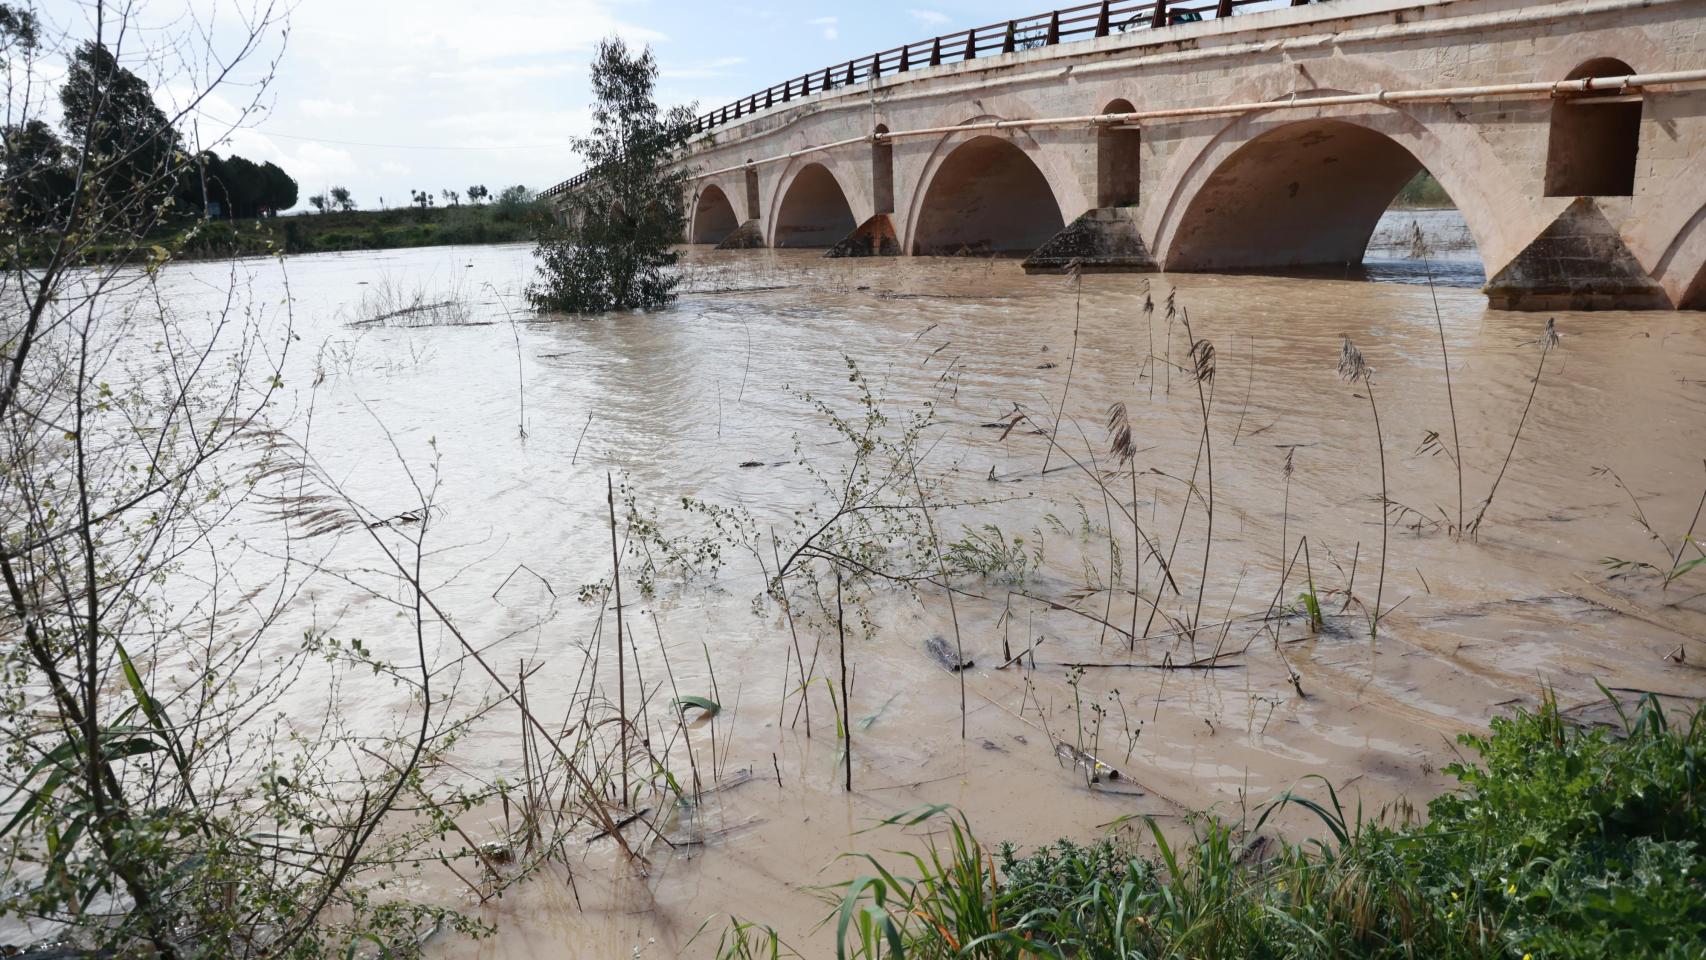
column 322, row 109
column 928, row 17
column 829, row 26
column 452, row 30
column 313, row 160
column 384, row 95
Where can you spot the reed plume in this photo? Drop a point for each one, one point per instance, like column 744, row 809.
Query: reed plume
column 1355, row 369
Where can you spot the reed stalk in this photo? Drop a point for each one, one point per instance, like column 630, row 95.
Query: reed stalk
column 1547, row 340
column 1353, row 368
column 1419, row 246
column 846, row 704
column 1076, row 272
column 621, row 659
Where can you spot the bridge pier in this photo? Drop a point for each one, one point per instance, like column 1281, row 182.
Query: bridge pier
column 1579, row 262
column 747, row 236
column 1103, row 240
column 873, row 238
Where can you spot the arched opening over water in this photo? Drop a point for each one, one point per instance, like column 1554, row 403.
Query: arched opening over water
column 1312, row 195
column 814, row 212
column 713, row 216
column 986, row 198
column 1595, row 137
column 1117, row 160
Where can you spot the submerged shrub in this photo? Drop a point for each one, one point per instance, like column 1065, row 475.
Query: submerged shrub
column 612, row 250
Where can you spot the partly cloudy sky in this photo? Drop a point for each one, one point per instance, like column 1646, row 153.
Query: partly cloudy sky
column 388, row 96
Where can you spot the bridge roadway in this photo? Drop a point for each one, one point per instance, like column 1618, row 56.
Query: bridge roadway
column 1571, row 134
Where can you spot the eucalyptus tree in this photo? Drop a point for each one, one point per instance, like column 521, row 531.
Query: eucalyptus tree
column 612, row 249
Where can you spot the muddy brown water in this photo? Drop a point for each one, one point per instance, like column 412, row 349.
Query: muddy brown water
column 673, row 403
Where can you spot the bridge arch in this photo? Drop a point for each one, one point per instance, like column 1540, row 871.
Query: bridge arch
column 1490, row 196
column 1592, row 147
column 814, row 210
column 1118, row 159
column 985, row 194
column 882, row 172
column 1307, row 193
column 1694, row 297
column 1681, row 267
column 713, row 216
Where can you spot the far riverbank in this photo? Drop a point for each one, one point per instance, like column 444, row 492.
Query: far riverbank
column 396, row 228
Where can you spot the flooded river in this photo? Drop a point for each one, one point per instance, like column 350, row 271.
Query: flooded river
column 520, row 423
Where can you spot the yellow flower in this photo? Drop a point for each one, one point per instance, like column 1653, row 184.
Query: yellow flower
column 1511, row 889
column 1528, row 956
column 1280, row 886
column 1454, row 894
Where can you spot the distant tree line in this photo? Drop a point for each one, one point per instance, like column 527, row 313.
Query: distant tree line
column 236, row 188
column 111, row 111
column 146, row 169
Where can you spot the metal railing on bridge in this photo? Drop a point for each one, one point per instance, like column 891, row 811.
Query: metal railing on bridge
column 1084, row 22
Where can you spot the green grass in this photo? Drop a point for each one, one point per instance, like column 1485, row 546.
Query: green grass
column 361, row 230
column 1563, row 842
column 1423, row 192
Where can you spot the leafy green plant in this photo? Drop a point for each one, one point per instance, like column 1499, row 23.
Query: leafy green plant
column 1565, row 841
column 988, row 552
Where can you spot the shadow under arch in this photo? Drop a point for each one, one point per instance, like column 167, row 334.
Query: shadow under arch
column 1303, row 195
column 986, row 197
column 713, row 216
column 814, row 211
column 1592, row 147
column 1118, row 159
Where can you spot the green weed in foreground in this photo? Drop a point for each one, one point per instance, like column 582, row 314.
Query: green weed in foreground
column 1563, row 842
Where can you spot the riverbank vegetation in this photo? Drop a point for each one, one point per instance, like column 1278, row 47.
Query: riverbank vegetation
column 158, row 797
column 1564, row 840
column 514, row 217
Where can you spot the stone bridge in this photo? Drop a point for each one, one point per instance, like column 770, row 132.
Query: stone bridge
column 1571, row 134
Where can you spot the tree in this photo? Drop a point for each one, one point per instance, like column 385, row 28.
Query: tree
column 478, row 194
column 240, row 187
column 516, row 204
column 614, row 250
column 342, row 200
column 245, row 187
column 279, row 189
column 420, row 198
column 320, row 202
column 451, row 196
column 35, row 179
column 110, row 115
column 19, row 27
